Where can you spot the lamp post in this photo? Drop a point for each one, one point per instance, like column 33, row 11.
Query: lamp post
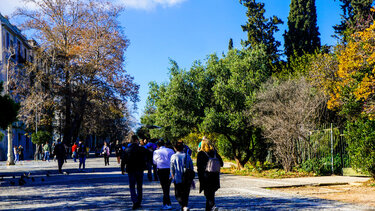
column 10, row 160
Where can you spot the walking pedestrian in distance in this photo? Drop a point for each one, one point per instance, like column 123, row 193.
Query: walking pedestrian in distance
column 162, row 159
column 60, row 154
column 74, row 151
column 46, row 150
column 81, row 149
column 16, row 155
column 118, row 149
column 179, row 163
column 151, row 147
column 209, row 179
column 20, row 152
column 135, row 158
column 106, row 153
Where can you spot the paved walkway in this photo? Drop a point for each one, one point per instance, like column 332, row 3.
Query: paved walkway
column 104, row 188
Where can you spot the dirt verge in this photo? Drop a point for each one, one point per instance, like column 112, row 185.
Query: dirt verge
column 358, row 193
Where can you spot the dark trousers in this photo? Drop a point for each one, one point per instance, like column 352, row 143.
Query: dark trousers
column 122, row 166
column 106, row 159
column 182, row 191
column 152, row 167
column 165, row 183
column 136, row 178
column 210, row 198
column 60, row 163
column 82, row 161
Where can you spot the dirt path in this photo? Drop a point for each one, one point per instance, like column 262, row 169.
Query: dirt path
column 354, row 194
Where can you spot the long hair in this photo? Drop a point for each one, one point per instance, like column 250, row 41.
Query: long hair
column 206, row 145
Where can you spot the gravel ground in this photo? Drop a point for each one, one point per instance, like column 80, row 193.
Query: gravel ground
column 104, row 188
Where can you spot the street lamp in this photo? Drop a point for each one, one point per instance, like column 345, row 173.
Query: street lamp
column 10, row 160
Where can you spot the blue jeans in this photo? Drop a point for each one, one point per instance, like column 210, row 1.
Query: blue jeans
column 46, row 156
column 136, row 178
column 17, row 157
column 82, row 161
column 75, row 156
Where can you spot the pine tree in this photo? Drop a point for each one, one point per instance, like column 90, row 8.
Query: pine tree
column 357, row 16
column 260, row 30
column 303, row 34
column 230, row 45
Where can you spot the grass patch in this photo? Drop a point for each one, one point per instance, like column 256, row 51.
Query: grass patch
column 272, row 173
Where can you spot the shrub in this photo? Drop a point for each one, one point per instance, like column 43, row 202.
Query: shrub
column 361, row 145
column 323, row 166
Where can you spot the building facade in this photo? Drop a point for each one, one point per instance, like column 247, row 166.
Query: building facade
column 15, row 50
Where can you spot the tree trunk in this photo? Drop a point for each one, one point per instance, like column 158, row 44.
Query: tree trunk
column 36, row 154
column 79, row 117
column 68, row 107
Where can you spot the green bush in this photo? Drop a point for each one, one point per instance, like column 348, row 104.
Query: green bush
column 41, row 137
column 361, row 145
column 323, row 166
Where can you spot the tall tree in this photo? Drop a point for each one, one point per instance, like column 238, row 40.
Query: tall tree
column 261, row 30
column 83, row 67
column 302, row 35
column 357, row 15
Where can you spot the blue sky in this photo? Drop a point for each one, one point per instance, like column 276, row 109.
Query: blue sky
column 189, row 30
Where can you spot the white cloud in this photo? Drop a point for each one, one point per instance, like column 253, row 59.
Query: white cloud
column 9, row 6
column 149, row 4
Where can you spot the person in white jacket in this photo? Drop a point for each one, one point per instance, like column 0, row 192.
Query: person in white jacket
column 162, row 160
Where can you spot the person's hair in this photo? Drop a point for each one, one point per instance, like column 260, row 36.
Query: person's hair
column 206, row 145
column 179, row 146
column 134, row 139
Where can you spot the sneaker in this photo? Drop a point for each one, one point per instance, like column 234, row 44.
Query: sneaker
column 214, row 208
column 166, row 207
column 185, row 209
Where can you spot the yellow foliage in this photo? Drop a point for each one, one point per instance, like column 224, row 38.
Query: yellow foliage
column 355, row 71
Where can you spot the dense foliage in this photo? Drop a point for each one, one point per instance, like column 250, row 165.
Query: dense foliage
column 261, row 30
column 8, row 110
column 302, row 35
column 361, row 140
column 213, row 98
column 41, row 137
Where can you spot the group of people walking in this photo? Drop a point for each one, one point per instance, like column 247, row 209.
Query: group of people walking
column 18, row 153
column 173, row 166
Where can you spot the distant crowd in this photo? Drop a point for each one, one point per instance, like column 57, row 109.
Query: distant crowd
column 164, row 162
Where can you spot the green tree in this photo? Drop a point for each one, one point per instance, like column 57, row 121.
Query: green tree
column 41, row 137
column 8, row 109
column 261, row 30
column 230, row 45
column 357, row 15
column 213, row 98
column 302, row 35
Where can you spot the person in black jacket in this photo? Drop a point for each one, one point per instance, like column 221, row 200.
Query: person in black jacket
column 135, row 159
column 209, row 181
column 60, row 153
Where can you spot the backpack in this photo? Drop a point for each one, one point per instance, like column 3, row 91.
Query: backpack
column 213, row 164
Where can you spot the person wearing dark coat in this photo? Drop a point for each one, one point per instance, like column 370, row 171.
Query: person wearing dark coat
column 135, row 159
column 60, row 153
column 209, row 181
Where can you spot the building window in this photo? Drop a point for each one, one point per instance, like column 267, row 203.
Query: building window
column 7, row 40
